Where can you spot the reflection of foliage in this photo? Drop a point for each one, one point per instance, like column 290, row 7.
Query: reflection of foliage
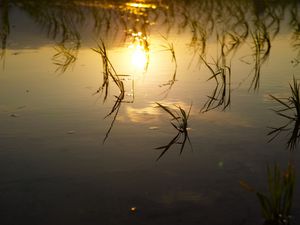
column 109, row 72
column 170, row 48
column 65, row 56
column 220, row 96
column 291, row 111
column 4, row 28
column 295, row 23
column 180, row 122
column 277, row 204
column 261, row 49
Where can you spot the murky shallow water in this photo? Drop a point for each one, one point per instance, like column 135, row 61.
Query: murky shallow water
column 55, row 168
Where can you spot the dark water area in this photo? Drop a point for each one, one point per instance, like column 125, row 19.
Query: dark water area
column 149, row 112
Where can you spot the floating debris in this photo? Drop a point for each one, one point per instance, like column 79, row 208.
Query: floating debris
column 14, row 115
column 71, row 132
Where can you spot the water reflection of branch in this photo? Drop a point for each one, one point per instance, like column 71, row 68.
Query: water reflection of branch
column 261, row 49
column 291, row 112
column 221, row 95
column 66, row 56
column 60, row 20
column 221, row 73
column 109, row 72
column 170, row 47
column 295, row 23
column 4, row 28
column 180, row 122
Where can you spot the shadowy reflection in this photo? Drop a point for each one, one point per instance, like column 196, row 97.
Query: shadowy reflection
column 261, row 51
column 65, row 22
column 295, row 24
column 109, row 73
column 169, row 47
column 66, row 56
column 179, row 120
column 4, row 28
column 290, row 111
column 221, row 72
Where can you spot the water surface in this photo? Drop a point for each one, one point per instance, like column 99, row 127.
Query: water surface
column 69, row 157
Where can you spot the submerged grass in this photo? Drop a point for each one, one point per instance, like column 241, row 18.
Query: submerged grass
column 290, row 111
column 276, row 205
column 179, row 120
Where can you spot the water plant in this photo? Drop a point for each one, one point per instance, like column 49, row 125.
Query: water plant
column 168, row 46
column 4, row 29
column 109, row 72
column 277, row 203
column 221, row 95
column 179, row 120
column 261, row 51
column 290, row 110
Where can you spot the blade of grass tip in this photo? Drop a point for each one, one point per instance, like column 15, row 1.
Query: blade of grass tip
column 286, row 116
column 183, row 143
column 189, row 140
column 182, row 113
column 188, row 115
column 176, row 127
column 208, row 66
column 167, row 110
column 166, row 147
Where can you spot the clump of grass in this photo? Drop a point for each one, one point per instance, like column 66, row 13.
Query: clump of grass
column 261, row 52
column 221, row 95
column 291, row 112
column 276, row 205
column 109, row 72
column 179, row 120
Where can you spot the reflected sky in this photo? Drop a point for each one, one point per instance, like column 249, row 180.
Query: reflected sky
column 230, row 55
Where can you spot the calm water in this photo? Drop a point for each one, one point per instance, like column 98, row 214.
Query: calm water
column 72, row 154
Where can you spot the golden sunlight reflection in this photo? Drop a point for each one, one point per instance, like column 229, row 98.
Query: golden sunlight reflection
column 140, row 51
column 140, row 5
column 147, row 114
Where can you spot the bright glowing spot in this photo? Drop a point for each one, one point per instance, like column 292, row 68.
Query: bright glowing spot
column 139, row 57
column 140, row 5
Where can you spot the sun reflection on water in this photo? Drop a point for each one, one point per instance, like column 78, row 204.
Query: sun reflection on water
column 140, row 51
